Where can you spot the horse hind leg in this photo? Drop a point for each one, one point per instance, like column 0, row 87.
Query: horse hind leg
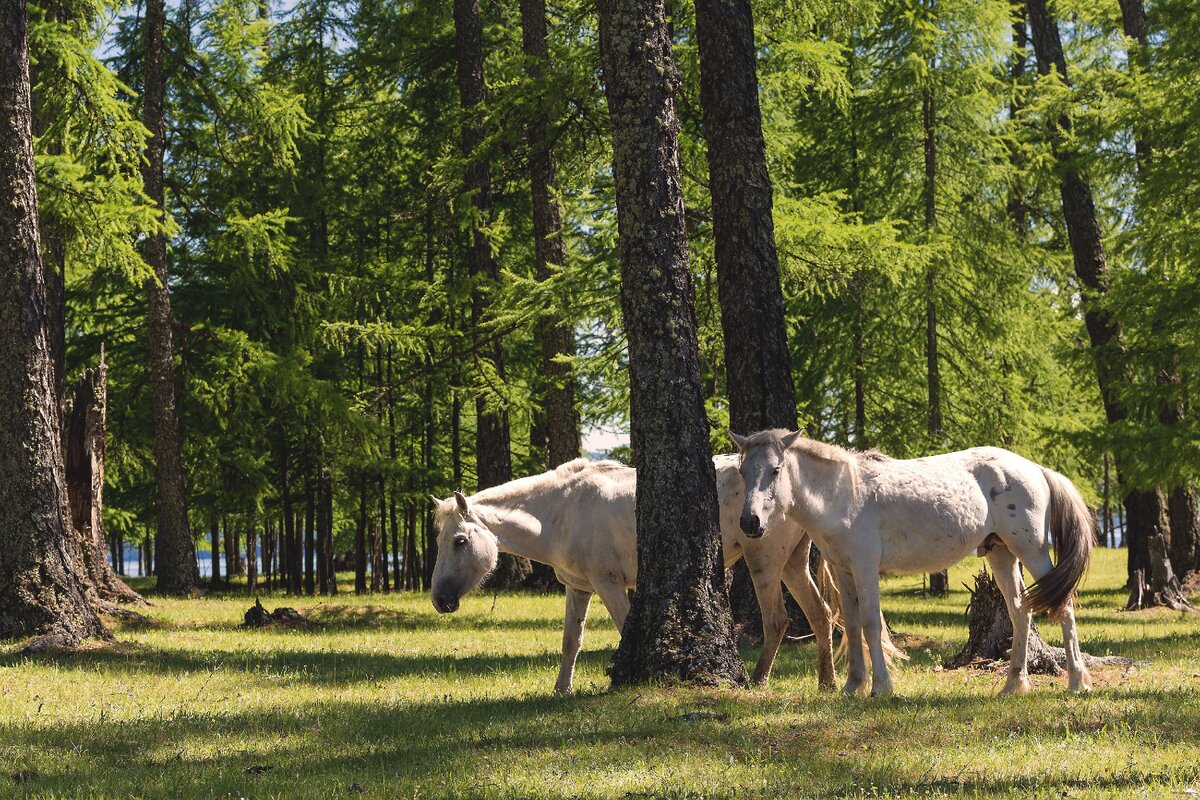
column 856, row 678
column 800, row 583
column 1008, row 578
column 866, row 582
column 1078, row 677
column 578, row 601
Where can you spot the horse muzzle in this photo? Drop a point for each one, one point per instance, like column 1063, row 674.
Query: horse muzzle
column 752, row 526
column 445, row 603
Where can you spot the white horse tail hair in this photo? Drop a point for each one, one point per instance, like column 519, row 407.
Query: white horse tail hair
column 830, row 594
column 1073, row 531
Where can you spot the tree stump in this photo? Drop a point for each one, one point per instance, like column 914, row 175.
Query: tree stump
column 989, row 637
column 990, row 633
column 86, row 422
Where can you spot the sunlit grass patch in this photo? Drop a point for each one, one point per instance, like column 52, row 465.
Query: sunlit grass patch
column 382, row 697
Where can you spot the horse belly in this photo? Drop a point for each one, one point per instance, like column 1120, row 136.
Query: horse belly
column 925, row 554
column 921, row 541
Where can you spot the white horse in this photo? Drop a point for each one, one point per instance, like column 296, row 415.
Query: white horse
column 869, row 513
column 580, row 520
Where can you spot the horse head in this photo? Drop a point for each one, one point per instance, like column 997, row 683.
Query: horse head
column 466, row 552
column 761, row 467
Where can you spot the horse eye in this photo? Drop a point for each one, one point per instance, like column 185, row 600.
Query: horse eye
column 460, row 541
column 775, row 471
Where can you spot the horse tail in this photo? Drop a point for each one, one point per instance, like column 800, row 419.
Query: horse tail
column 830, row 594
column 1073, row 531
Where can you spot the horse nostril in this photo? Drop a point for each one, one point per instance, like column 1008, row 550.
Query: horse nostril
column 445, row 604
column 750, row 525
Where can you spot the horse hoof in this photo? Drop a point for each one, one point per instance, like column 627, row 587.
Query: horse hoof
column 1017, row 687
column 882, row 691
column 1080, row 683
column 851, row 689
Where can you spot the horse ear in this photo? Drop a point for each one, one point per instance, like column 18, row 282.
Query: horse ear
column 790, row 439
column 462, row 501
column 738, row 441
column 436, row 502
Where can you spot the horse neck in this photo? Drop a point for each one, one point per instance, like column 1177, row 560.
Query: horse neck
column 818, row 487
column 517, row 523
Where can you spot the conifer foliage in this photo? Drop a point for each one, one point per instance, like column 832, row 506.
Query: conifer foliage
column 343, row 255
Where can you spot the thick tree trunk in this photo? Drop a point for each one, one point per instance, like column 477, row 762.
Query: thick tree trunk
column 757, row 364
column 1185, row 531
column 1091, row 268
column 86, row 420
column 41, row 592
column 1154, row 583
column 679, row 624
column 176, row 563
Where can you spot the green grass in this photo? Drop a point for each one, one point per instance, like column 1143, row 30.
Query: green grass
column 386, row 699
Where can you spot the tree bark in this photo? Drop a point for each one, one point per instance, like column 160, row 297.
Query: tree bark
column 310, row 524
column 757, row 363
column 176, row 562
column 550, row 253
column 1155, row 584
column 1091, row 268
column 86, row 420
column 214, row 532
column 939, row 582
column 41, row 592
column 678, row 628
column 493, row 462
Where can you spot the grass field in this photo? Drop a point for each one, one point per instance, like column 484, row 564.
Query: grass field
column 383, row 698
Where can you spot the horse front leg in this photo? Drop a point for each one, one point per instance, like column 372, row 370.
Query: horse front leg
column 1007, row 572
column 578, row 601
column 774, row 618
column 856, row 678
column 866, row 582
column 802, row 586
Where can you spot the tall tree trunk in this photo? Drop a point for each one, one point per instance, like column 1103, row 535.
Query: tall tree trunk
column 360, row 534
column 54, row 246
column 41, row 591
column 288, row 532
column 251, row 556
column 214, row 532
column 1184, row 524
column 1091, row 268
column 678, row 627
column 176, row 562
column 939, row 582
column 757, row 364
column 550, row 253
column 1017, row 207
column 493, row 461
column 86, row 420
column 310, row 519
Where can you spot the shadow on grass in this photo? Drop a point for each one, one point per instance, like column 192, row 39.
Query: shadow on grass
column 486, row 747
column 302, row 666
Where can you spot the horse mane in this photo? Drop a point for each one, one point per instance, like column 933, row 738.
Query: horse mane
column 562, row 474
